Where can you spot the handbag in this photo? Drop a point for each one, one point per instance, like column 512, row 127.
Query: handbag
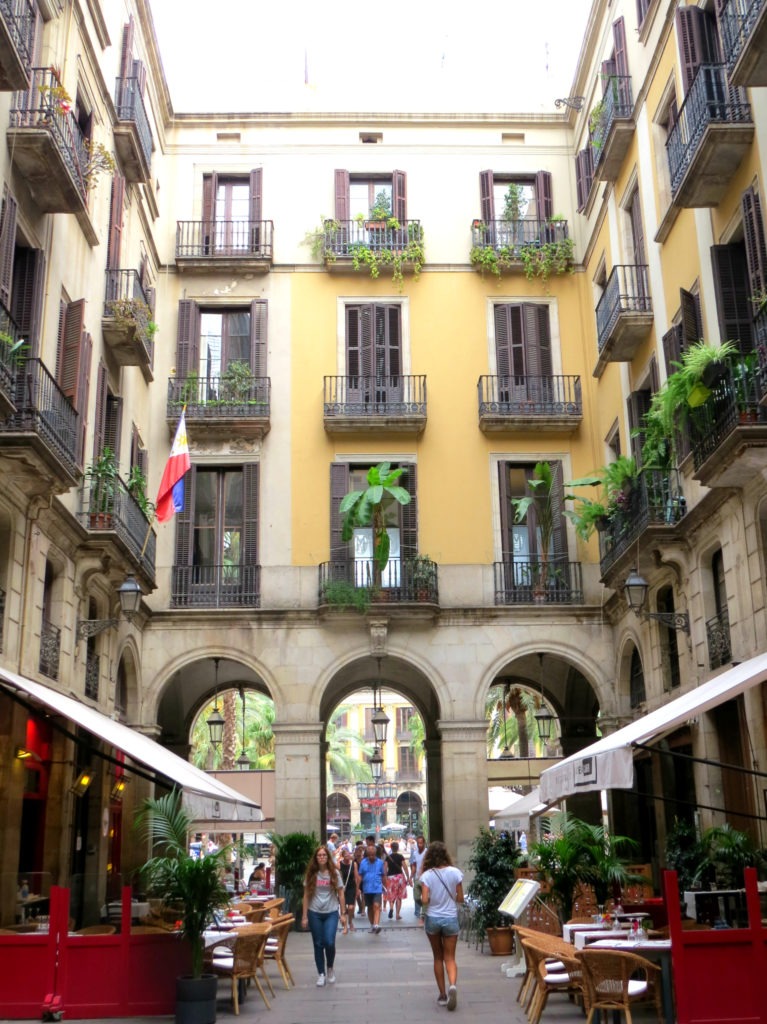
column 417, row 890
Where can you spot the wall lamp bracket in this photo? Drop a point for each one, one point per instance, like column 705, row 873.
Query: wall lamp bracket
column 572, row 102
column 635, row 591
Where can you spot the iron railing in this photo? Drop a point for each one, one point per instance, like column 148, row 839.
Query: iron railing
column 529, row 395
column 395, row 395
column 125, row 298
column 227, row 396
column 532, row 581
column 515, row 234
column 344, row 237
column 9, row 361
column 216, row 586
column 129, row 104
column 736, row 23
column 50, row 649
column 403, row 580
column 616, row 102
column 92, row 671
column 718, row 640
column 231, row 239
column 627, row 291
column 44, row 409
column 38, row 107
column 710, row 100
column 734, row 403
column 760, row 344
column 19, row 16
column 108, row 505
column 655, row 499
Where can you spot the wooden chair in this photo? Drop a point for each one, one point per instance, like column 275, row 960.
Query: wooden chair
column 272, row 907
column 97, row 929
column 244, row 962
column 556, row 948
column 569, row 980
column 615, row 980
column 275, row 948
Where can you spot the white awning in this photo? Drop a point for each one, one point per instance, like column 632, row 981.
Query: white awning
column 609, row 763
column 204, row 796
column 516, row 816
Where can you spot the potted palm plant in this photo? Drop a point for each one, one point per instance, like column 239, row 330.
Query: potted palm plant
column 194, row 886
column 102, row 477
column 493, row 860
column 361, row 509
column 543, row 501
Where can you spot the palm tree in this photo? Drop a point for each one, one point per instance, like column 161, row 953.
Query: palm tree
column 259, row 737
column 229, row 750
column 417, row 732
column 340, row 760
column 368, row 508
column 517, row 725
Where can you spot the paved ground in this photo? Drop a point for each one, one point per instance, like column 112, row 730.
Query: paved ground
column 388, row 976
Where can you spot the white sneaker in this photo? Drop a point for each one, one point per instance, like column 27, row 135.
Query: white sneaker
column 331, row 976
column 321, row 981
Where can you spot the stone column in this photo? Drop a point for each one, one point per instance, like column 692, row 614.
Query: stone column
column 298, row 770
column 464, row 785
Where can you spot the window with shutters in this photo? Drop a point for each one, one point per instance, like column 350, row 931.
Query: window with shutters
column 516, row 210
column 407, row 762
column 73, row 363
column 374, row 354
column 732, row 289
column 22, row 279
column 669, row 649
column 370, row 196
column 662, row 125
column 232, row 225
column 217, row 538
column 521, row 542
column 522, row 351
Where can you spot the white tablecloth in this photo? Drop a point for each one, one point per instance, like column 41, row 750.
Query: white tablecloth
column 646, row 945
column 569, row 930
column 583, row 939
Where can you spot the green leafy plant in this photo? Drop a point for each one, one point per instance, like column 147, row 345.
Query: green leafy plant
column 292, row 854
column 587, row 516
column 191, row 884
column 190, row 390
column 725, row 853
column 13, row 351
column 361, row 509
column 381, row 208
column 134, row 315
column 595, row 123
column 543, row 501
column 236, row 382
column 343, row 595
column 424, row 572
column 493, row 860
column 136, row 484
column 538, row 259
column 100, row 161
column 102, row 475
column 684, row 852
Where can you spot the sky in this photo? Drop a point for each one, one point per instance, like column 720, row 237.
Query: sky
column 348, row 55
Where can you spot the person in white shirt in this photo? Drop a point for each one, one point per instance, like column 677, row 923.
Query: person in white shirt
column 416, row 862
column 441, row 892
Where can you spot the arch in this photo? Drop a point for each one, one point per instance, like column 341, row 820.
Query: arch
column 339, row 814
column 409, row 810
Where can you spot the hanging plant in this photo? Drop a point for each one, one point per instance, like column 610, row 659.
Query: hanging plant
column 100, row 161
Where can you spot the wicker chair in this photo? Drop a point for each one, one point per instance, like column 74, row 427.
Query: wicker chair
column 569, row 980
column 556, row 948
column 275, row 949
column 615, row 980
column 97, row 929
column 244, row 961
column 148, row 929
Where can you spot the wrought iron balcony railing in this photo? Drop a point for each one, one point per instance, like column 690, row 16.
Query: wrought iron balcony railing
column 43, row 409
column 760, row 344
column 92, row 672
column 710, row 100
column 532, row 581
column 616, row 102
column 404, row 580
column 39, row 107
column 737, row 21
column 108, row 506
column 10, row 356
column 528, row 395
column 19, row 16
column 125, row 300
column 396, row 395
column 224, row 239
column 718, row 640
column 216, row 586
column 344, row 237
column 734, row 403
column 655, row 499
column 129, row 104
column 627, row 291
column 516, row 234
column 232, row 395
column 50, row 649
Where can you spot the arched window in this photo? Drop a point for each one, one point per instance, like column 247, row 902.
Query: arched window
column 636, row 680
column 718, row 627
column 669, row 650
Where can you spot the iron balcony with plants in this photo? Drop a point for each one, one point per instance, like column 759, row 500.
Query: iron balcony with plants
column 611, row 127
column 128, row 324
column 624, row 313
column 348, row 583
column 532, row 581
column 235, row 398
column 109, row 509
column 132, row 134
column 537, row 248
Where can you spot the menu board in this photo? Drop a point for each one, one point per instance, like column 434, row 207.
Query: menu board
column 519, row 896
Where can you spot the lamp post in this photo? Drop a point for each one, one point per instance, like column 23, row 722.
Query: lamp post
column 635, row 591
column 129, row 593
column 243, row 761
column 215, row 721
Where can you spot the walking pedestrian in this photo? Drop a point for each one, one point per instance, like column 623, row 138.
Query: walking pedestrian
column 398, row 876
column 372, row 872
column 323, row 900
column 416, row 865
column 357, row 856
column 442, row 891
column 348, row 877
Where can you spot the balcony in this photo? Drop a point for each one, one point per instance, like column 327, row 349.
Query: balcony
column 10, row 358
column 49, row 151
column 647, row 514
column 348, row 583
column 127, row 323
column 525, row 402
column 17, row 40
column 132, row 134
column 520, row 245
column 236, row 245
column 346, row 245
column 44, row 429
column 234, row 404
column 371, row 405
column 743, row 30
column 530, row 581
column 216, row 586
column 710, row 138
column 730, row 432
column 718, row 640
column 117, row 527
column 612, row 129
column 50, row 649
column 624, row 316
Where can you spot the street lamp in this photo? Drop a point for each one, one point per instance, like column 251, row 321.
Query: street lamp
column 635, row 591
column 543, row 717
column 215, row 719
column 376, row 765
column 243, row 761
column 129, row 593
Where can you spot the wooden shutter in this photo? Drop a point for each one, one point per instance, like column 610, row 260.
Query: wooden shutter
column 138, row 71
column 692, row 329
column 249, row 551
column 126, row 56
column 71, row 349
column 116, row 221
column 339, row 485
column 185, row 522
column 408, row 540
column 34, row 326
column 608, row 71
column 100, row 411
column 187, row 338
column 209, row 190
column 399, row 196
column 620, row 52
column 637, row 406
column 486, row 197
column 502, row 316
column 7, row 246
column 753, row 232
column 258, row 347
column 673, row 347
column 387, row 342
column 544, row 195
column 637, row 230
column 134, row 446
column 114, row 421
column 256, row 180
column 697, row 43
column 26, row 294
column 580, row 180
column 83, row 387
column 359, row 344
column 558, row 504
column 507, row 512
column 733, row 305
column 151, row 298
column 342, row 195
column 537, row 339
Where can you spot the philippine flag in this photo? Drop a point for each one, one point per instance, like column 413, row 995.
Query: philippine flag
column 170, row 497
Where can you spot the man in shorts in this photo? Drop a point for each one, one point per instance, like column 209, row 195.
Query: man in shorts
column 416, row 860
column 372, row 872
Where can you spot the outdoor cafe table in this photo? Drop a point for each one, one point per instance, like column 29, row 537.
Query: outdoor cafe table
column 569, row 930
column 582, row 939
column 652, row 949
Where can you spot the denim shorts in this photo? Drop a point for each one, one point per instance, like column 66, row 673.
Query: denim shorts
column 438, row 924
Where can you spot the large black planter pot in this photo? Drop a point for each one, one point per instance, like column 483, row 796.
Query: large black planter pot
column 196, row 999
